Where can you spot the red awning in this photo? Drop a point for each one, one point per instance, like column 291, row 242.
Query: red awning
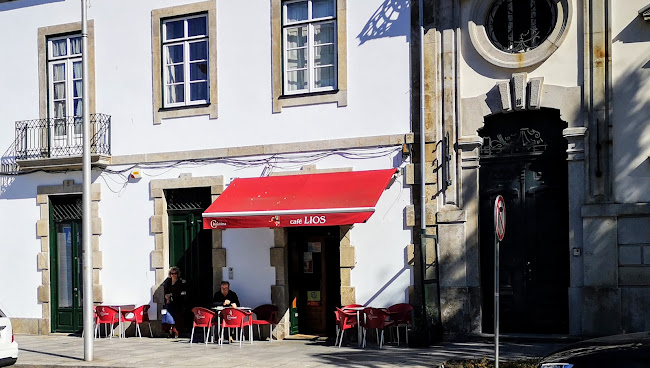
column 328, row 199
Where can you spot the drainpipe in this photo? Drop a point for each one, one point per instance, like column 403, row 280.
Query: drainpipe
column 86, row 236
column 423, row 210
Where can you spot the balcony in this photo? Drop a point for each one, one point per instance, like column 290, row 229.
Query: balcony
column 57, row 144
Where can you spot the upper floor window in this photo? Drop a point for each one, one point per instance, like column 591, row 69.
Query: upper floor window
column 185, row 61
column 309, row 46
column 516, row 26
column 64, row 63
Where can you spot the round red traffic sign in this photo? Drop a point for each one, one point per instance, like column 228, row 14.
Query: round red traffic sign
column 500, row 217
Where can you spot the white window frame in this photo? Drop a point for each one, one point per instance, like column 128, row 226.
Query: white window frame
column 68, row 60
column 310, row 23
column 185, row 41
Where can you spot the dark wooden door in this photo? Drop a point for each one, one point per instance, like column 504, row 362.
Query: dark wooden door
column 315, row 280
column 527, row 166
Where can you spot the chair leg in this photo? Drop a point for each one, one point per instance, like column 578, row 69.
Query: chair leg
column 341, row 340
column 221, row 337
column 381, row 341
column 137, row 330
column 271, row 333
column 150, row 332
column 192, row 335
column 206, row 334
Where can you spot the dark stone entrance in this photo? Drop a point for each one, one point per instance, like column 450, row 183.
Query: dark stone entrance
column 523, row 158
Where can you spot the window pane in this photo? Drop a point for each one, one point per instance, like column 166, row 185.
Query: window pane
column 174, row 54
column 59, row 91
column 59, row 109
column 77, row 87
column 59, row 48
column 58, row 71
column 199, row 91
column 322, row 8
column 174, row 29
column 297, row 11
column 199, row 50
column 323, row 33
column 296, row 59
column 76, row 70
column 78, row 126
column 324, row 77
column 59, row 127
column 75, row 45
column 198, row 71
column 324, row 55
column 175, row 93
column 175, row 74
column 297, row 80
column 296, row 37
column 78, row 107
column 197, row 26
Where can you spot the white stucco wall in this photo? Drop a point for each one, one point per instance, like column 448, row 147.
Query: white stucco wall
column 631, row 102
column 378, row 77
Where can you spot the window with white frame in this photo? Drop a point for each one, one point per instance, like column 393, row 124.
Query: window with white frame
column 65, row 84
column 309, row 46
column 185, row 61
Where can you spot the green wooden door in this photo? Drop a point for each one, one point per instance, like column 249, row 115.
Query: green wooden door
column 190, row 249
column 66, row 278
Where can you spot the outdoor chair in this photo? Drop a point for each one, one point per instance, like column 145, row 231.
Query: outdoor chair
column 344, row 321
column 266, row 314
column 202, row 318
column 138, row 316
column 400, row 315
column 377, row 319
column 107, row 316
column 237, row 319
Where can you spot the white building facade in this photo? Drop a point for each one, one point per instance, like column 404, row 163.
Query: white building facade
column 184, row 97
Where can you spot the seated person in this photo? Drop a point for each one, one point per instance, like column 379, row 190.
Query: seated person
column 225, row 297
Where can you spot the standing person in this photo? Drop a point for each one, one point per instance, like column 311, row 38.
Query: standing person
column 174, row 288
column 225, row 297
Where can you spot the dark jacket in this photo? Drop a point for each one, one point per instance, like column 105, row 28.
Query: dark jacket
column 219, row 298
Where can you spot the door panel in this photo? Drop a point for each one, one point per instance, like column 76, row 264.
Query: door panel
column 314, row 278
column 66, row 275
column 190, row 249
column 524, row 160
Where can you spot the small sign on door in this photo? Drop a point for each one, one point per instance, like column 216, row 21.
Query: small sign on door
column 308, row 262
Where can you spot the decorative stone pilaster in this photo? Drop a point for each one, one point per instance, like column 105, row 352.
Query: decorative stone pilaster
column 44, row 292
column 159, row 222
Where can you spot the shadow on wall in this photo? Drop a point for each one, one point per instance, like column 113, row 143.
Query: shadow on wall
column 391, row 19
column 383, row 288
column 17, row 4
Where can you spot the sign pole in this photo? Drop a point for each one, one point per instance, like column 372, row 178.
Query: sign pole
column 499, row 233
column 496, row 300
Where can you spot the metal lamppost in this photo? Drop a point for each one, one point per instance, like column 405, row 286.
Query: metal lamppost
column 86, row 235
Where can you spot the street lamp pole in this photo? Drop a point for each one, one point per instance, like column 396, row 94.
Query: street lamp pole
column 86, row 235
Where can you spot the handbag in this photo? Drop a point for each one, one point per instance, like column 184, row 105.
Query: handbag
column 167, row 317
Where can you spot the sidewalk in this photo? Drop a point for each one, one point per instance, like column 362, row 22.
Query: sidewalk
column 63, row 350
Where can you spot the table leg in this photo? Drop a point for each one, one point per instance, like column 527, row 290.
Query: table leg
column 359, row 332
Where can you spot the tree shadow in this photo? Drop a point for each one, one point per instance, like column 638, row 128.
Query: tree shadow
column 391, row 19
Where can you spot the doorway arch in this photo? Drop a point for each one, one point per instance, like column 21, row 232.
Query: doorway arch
column 524, row 159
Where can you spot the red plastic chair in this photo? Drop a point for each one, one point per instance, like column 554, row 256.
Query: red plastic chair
column 400, row 315
column 265, row 314
column 138, row 316
column 202, row 318
column 237, row 319
column 107, row 315
column 377, row 319
column 352, row 306
column 344, row 321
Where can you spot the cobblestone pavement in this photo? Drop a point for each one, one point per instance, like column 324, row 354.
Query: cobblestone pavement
column 62, row 350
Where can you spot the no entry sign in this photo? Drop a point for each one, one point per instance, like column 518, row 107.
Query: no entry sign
column 500, row 217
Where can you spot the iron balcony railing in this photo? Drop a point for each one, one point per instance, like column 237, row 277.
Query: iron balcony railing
column 61, row 137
